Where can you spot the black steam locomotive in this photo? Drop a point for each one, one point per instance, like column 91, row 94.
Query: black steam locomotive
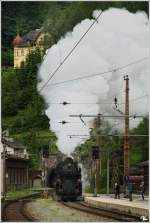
column 66, row 179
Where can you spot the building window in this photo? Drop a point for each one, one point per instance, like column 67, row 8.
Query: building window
column 17, row 53
column 22, row 53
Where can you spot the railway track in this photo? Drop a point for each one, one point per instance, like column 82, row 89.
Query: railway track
column 15, row 211
column 82, row 206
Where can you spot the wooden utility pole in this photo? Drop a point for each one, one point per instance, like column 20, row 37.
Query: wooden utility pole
column 115, row 166
column 126, row 137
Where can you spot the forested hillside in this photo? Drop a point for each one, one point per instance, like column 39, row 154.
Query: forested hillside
column 56, row 17
column 23, row 109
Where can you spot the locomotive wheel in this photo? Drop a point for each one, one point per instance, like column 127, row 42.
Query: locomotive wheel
column 73, row 199
column 64, row 199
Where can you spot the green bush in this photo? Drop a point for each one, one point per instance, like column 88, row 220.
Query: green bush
column 7, row 57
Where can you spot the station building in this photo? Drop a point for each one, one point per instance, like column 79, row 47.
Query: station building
column 15, row 166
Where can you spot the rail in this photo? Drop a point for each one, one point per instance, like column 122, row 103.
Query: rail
column 14, row 210
column 82, row 206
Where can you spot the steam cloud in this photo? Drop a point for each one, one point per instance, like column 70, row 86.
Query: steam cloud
column 117, row 39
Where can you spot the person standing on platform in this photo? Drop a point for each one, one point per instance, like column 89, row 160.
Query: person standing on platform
column 117, row 190
column 130, row 190
column 142, row 189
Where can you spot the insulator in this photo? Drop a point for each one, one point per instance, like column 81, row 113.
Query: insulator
column 65, row 103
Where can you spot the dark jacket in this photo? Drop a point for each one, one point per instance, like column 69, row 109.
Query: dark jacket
column 117, row 187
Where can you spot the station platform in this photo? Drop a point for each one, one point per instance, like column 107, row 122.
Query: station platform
column 137, row 207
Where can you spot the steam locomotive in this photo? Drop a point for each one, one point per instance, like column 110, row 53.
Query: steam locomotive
column 65, row 178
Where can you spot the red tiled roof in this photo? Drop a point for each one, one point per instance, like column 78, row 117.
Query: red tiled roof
column 27, row 40
column 18, row 40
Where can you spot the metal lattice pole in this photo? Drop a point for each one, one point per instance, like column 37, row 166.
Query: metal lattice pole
column 115, row 167
column 98, row 161
column 108, row 171
column 126, row 137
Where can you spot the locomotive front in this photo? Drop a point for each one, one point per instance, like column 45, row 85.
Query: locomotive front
column 68, row 183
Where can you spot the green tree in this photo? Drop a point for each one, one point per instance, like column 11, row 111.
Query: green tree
column 22, row 106
column 139, row 146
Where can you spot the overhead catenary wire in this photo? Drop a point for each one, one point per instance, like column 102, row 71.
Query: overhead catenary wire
column 71, row 51
column 98, row 74
column 123, row 91
column 99, row 103
column 135, row 99
column 131, row 119
column 92, row 103
column 83, row 103
column 108, row 116
column 109, row 135
column 116, row 124
column 65, row 122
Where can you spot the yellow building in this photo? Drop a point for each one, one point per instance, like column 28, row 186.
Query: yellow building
column 22, row 45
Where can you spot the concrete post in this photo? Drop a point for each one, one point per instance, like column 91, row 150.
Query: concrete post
column 108, row 171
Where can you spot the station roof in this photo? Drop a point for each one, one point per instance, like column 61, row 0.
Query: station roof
column 13, row 144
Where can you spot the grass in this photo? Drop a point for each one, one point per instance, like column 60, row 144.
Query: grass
column 21, row 193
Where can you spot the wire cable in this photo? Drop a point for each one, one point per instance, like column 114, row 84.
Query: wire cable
column 84, row 103
column 71, row 51
column 97, row 103
column 135, row 99
column 98, row 74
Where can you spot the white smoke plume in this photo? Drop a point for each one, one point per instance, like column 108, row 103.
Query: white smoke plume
column 118, row 38
column 84, row 176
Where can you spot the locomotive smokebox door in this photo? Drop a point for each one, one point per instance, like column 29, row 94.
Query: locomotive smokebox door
column 45, row 151
column 95, row 152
